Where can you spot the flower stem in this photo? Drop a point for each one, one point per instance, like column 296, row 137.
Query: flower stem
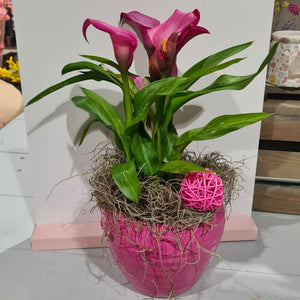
column 156, row 129
column 158, row 143
column 127, row 98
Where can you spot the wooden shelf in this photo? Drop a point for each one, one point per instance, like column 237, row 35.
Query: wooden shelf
column 9, row 50
column 273, row 89
column 284, row 123
column 277, row 199
column 277, row 162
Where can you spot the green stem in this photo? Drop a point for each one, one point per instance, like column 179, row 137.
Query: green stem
column 156, row 130
column 127, row 98
column 127, row 152
column 166, row 103
column 128, row 109
column 158, row 145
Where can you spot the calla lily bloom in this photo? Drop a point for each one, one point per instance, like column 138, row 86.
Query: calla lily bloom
column 140, row 82
column 163, row 41
column 124, row 42
column 141, row 23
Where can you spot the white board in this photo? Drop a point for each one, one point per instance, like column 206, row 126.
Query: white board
column 49, row 36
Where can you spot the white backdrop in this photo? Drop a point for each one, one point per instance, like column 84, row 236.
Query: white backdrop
column 49, row 36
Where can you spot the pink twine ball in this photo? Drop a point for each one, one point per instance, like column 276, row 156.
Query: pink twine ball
column 202, row 191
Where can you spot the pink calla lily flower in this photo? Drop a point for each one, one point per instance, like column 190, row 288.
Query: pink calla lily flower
column 124, row 42
column 141, row 23
column 163, row 41
column 140, row 82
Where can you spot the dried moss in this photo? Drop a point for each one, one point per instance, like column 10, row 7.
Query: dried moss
column 160, row 202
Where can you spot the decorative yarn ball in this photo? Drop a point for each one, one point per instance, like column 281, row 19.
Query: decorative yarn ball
column 202, row 191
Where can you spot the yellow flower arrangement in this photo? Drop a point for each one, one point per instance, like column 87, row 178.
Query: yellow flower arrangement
column 13, row 71
column 281, row 5
column 285, row 4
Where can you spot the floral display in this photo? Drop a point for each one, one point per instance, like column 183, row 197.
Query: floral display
column 286, row 15
column 5, row 7
column 147, row 135
column 163, row 206
column 163, row 41
column 13, row 71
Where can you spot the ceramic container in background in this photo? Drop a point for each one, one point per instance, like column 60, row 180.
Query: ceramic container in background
column 284, row 68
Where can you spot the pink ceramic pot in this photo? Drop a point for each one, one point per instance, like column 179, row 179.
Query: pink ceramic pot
column 154, row 262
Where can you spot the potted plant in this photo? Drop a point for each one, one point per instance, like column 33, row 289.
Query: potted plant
column 162, row 207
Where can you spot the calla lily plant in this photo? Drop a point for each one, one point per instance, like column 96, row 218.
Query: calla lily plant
column 147, row 135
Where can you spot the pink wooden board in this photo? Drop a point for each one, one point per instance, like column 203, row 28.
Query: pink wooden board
column 90, row 235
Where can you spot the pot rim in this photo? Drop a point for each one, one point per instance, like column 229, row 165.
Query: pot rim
column 286, row 36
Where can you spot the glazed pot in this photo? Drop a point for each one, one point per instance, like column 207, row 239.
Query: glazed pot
column 160, row 261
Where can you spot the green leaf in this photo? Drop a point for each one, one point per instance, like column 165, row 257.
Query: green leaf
column 107, row 115
column 55, row 87
column 195, row 76
column 181, row 167
column 214, row 129
column 123, row 142
column 86, row 104
column 151, row 93
column 106, row 61
column 168, row 138
column 86, row 129
column 208, row 70
column 126, row 179
column 86, row 65
column 95, row 104
column 145, row 153
column 118, row 142
column 102, row 108
column 102, row 60
column 224, row 82
column 216, row 58
column 162, row 87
